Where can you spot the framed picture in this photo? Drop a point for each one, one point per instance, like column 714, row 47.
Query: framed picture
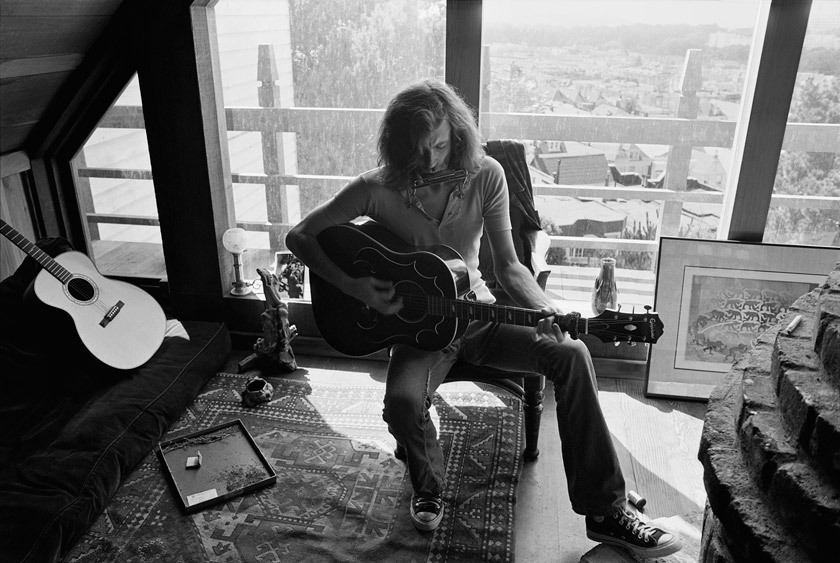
column 292, row 275
column 715, row 298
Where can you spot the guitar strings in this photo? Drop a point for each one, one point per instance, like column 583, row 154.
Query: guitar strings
column 422, row 303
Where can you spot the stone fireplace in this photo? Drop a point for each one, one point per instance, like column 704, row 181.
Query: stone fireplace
column 771, row 443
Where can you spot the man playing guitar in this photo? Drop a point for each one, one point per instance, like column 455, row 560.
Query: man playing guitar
column 428, row 129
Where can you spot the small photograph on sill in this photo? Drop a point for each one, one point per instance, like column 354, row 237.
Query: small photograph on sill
column 291, row 273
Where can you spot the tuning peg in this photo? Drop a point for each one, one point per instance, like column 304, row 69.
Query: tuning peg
column 617, row 307
column 648, row 307
column 616, row 343
column 631, row 343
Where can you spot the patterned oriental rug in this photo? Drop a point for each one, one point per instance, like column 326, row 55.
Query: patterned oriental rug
column 340, row 494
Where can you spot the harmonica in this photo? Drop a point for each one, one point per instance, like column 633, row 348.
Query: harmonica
column 439, row 178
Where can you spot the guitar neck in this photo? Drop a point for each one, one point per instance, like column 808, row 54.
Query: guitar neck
column 472, row 310
column 44, row 259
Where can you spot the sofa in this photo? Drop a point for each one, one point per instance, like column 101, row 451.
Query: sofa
column 72, row 428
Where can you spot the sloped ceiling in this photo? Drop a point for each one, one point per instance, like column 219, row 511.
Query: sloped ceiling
column 41, row 43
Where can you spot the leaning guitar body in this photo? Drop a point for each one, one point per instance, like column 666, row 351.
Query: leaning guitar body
column 431, row 282
column 120, row 324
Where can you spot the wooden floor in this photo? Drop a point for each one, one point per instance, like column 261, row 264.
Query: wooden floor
column 657, row 444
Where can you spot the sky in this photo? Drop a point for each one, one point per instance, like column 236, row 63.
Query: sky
column 728, row 14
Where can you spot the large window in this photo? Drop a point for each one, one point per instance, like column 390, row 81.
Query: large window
column 321, row 72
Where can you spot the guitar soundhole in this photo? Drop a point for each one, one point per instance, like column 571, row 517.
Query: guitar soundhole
column 81, row 289
column 414, row 301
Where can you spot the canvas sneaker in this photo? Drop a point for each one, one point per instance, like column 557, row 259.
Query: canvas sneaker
column 625, row 529
column 426, row 512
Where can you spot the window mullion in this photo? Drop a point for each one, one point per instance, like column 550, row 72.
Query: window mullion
column 758, row 142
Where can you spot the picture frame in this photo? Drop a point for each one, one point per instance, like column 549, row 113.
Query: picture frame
column 714, row 298
column 291, row 273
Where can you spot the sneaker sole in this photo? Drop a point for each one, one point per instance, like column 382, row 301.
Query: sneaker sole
column 429, row 526
column 658, row 551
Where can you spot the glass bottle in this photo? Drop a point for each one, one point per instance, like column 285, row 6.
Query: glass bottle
column 605, row 294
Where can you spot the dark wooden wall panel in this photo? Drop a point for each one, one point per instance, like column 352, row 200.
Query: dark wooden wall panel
column 60, row 7
column 37, row 37
column 23, row 93
column 42, row 42
column 14, row 209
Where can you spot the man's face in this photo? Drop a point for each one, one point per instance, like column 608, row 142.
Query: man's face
column 436, row 148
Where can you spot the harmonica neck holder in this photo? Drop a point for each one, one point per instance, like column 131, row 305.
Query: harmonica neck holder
column 439, row 178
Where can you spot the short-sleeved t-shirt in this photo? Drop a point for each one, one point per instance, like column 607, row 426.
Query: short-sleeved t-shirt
column 481, row 205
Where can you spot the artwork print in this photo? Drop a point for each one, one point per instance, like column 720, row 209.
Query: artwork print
column 291, row 273
column 724, row 311
column 715, row 298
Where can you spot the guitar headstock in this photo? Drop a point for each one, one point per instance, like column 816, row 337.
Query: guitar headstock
column 619, row 326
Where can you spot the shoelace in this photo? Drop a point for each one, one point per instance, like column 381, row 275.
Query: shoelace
column 636, row 526
column 427, row 505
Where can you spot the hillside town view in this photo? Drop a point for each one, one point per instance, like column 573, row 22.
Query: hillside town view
column 637, row 71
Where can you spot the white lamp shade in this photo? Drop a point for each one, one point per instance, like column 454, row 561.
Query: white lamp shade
column 235, row 240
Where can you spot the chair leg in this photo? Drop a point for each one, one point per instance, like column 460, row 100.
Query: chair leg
column 534, row 387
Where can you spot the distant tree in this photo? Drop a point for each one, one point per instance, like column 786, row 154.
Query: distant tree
column 812, row 174
column 737, row 53
column 556, row 255
column 630, row 105
column 357, row 54
column 821, row 61
column 631, row 260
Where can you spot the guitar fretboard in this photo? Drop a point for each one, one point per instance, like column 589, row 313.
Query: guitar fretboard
column 44, row 259
column 472, row 310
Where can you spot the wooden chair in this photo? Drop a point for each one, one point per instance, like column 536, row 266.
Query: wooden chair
column 531, row 246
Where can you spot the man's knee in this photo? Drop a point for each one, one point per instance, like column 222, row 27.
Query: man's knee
column 578, row 352
column 403, row 407
column 568, row 362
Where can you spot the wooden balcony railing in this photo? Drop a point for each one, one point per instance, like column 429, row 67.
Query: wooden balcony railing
column 680, row 133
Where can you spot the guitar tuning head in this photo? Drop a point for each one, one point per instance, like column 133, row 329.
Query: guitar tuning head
column 648, row 308
column 616, row 343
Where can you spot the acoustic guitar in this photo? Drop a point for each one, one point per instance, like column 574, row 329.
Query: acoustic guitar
column 432, row 283
column 120, row 324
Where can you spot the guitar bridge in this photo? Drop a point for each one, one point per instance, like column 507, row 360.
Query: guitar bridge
column 111, row 314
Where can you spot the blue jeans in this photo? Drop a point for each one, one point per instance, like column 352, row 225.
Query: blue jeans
column 596, row 484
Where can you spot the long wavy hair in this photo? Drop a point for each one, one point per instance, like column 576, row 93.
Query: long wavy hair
column 411, row 116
